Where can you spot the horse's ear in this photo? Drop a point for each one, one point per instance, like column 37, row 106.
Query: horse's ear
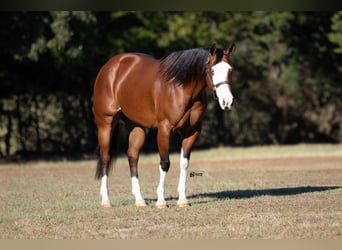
column 230, row 49
column 213, row 49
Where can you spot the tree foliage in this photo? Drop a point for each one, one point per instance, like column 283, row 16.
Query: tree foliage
column 287, row 74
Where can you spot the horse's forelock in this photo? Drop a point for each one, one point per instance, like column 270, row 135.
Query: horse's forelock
column 219, row 55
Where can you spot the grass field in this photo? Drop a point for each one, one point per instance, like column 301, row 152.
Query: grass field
column 287, row 192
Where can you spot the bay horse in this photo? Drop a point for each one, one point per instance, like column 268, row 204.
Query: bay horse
column 167, row 94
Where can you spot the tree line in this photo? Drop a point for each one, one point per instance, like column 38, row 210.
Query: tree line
column 286, row 82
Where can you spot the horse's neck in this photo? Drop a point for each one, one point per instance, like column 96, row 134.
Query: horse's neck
column 197, row 89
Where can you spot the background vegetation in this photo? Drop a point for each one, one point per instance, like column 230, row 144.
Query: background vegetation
column 287, row 78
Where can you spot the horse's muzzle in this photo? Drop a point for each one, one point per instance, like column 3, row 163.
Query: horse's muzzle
column 226, row 104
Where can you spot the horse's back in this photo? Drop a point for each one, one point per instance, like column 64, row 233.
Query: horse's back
column 124, row 66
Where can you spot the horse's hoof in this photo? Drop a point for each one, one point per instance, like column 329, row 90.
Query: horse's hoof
column 140, row 203
column 106, row 204
column 161, row 204
column 183, row 203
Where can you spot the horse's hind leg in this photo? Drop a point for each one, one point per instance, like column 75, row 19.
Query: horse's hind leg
column 104, row 144
column 106, row 125
column 136, row 141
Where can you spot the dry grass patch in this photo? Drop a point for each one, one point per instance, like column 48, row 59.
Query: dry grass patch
column 240, row 194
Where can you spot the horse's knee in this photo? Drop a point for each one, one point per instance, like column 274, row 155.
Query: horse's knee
column 165, row 165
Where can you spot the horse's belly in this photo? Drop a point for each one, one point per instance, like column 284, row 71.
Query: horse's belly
column 141, row 116
column 138, row 105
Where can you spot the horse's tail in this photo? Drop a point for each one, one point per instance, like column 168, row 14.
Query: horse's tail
column 113, row 152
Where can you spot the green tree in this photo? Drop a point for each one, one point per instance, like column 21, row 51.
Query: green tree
column 335, row 35
column 286, row 81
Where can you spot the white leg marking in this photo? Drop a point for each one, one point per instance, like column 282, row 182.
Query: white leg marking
column 139, row 201
column 104, row 192
column 184, row 164
column 161, row 203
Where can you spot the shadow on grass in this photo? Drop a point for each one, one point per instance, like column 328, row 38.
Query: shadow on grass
column 240, row 194
column 244, row 194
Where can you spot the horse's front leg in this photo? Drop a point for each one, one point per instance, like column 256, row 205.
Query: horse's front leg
column 187, row 144
column 183, row 167
column 163, row 139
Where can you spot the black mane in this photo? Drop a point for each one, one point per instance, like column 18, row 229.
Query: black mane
column 183, row 66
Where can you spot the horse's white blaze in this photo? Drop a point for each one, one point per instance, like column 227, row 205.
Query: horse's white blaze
column 136, row 189
column 223, row 93
column 184, row 164
column 104, row 189
column 161, row 186
column 220, row 72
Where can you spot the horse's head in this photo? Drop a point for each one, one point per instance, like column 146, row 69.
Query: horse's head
column 219, row 75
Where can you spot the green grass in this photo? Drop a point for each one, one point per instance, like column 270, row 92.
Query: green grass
column 287, row 192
